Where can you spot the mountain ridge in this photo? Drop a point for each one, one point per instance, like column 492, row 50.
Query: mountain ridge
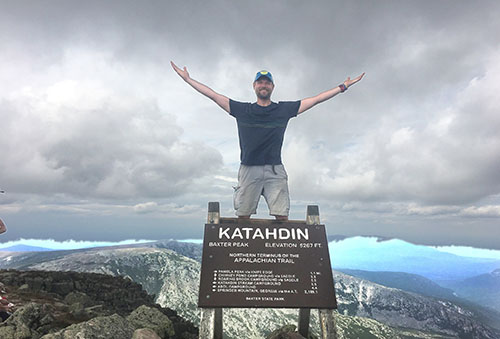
column 483, row 289
column 174, row 279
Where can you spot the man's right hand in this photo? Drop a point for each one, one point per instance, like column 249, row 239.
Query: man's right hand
column 183, row 73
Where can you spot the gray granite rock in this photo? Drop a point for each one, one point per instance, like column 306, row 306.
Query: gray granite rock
column 285, row 332
column 26, row 322
column 145, row 333
column 78, row 297
column 110, row 327
column 152, row 318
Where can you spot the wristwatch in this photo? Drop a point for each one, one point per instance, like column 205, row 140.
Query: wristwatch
column 343, row 88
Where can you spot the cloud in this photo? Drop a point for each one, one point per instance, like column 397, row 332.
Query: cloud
column 166, row 209
column 414, row 209
column 94, row 121
column 452, row 158
column 482, row 211
column 94, row 137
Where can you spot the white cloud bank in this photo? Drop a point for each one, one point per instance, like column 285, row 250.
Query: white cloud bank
column 85, row 132
column 453, row 158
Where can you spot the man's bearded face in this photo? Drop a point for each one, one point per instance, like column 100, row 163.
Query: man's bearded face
column 263, row 88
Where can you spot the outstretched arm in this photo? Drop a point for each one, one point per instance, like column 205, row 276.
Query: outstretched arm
column 219, row 99
column 307, row 103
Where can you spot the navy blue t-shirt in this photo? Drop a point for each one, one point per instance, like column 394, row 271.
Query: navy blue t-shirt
column 261, row 130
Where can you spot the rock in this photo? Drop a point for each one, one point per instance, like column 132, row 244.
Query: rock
column 78, row 297
column 24, row 287
column 7, row 332
column 285, row 332
column 25, row 322
column 62, row 288
column 94, row 311
column 145, row 333
column 92, row 295
column 187, row 335
column 152, row 318
column 35, row 283
column 110, row 327
column 77, row 310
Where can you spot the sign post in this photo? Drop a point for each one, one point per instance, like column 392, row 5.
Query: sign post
column 211, row 318
column 261, row 263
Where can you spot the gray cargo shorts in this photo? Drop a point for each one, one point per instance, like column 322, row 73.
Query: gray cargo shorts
column 271, row 181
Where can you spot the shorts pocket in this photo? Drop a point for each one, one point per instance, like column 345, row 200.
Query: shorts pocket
column 281, row 171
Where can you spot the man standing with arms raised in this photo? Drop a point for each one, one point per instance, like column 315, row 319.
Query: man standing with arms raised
column 261, row 129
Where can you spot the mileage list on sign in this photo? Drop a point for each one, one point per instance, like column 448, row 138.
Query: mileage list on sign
column 266, row 265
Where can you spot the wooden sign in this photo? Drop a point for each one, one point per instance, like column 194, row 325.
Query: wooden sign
column 267, row 264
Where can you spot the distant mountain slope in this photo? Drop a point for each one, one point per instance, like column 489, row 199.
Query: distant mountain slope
column 187, row 249
column 423, row 286
column 394, row 255
column 404, row 281
column 174, row 279
column 398, row 308
column 21, row 260
column 483, row 289
column 25, row 248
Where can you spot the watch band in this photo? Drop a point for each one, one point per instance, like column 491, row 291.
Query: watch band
column 343, row 88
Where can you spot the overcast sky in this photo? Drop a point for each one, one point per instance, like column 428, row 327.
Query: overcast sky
column 101, row 140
